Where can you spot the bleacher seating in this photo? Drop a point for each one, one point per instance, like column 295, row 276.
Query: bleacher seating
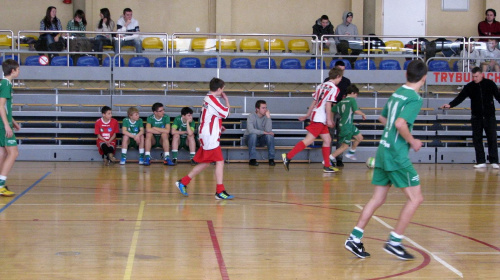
column 276, row 45
column 290, row 63
column 240, row 63
column 190, row 62
column 226, row 45
column 9, row 56
column 250, row 44
column 389, row 64
column 119, row 62
column 263, row 63
column 346, row 62
column 211, row 62
column 201, row 44
column 298, row 45
column 61, row 61
column 315, row 64
column 394, row 46
column 88, row 61
column 162, row 62
column 439, row 66
column 32, row 60
column 5, row 41
column 363, row 64
column 152, row 44
column 139, row 61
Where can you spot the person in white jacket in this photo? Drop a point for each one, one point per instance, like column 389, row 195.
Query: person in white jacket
column 128, row 24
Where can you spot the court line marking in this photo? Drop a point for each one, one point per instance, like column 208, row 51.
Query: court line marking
column 218, row 253
column 438, row 259
column 24, row 192
column 477, row 253
column 133, row 246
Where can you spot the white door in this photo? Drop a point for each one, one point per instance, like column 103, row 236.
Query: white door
column 404, row 17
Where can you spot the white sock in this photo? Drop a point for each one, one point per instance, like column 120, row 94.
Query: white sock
column 148, row 153
column 3, row 177
column 332, row 158
column 167, row 154
column 352, row 151
column 124, row 151
column 141, row 151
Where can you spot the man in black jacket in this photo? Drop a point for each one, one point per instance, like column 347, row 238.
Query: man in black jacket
column 322, row 27
column 481, row 92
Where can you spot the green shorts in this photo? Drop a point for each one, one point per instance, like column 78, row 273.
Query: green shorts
column 346, row 136
column 158, row 143
column 183, row 144
column 401, row 178
column 132, row 144
column 7, row 142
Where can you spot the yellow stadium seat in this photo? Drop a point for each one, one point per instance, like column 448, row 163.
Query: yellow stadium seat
column 298, row 45
column 202, row 44
column 226, row 45
column 276, row 45
column 5, row 41
column 250, row 44
column 174, row 44
column 394, row 46
column 152, row 43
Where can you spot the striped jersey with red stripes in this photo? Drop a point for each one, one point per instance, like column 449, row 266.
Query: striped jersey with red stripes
column 325, row 92
column 212, row 113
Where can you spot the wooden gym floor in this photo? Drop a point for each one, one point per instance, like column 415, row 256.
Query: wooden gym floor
column 88, row 221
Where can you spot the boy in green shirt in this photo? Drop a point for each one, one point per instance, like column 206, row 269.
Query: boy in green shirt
column 8, row 142
column 346, row 108
column 133, row 135
column 392, row 164
column 183, row 134
column 157, row 134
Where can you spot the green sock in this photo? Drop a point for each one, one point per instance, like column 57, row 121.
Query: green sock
column 191, row 155
column 395, row 239
column 174, row 154
column 124, row 155
column 357, row 234
column 141, row 155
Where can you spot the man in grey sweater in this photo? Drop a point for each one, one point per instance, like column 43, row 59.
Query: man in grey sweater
column 350, row 40
column 259, row 132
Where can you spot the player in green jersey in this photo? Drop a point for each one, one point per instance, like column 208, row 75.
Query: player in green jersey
column 8, row 142
column 183, row 134
column 346, row 108
column 133, row 135
column 392, row 164
column 157, row 134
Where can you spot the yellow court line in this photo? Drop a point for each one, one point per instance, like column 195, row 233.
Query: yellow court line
column 133, row 246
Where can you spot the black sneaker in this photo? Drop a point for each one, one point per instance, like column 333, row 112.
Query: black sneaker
column 174, row 161
column 271, row 162
column 193, row 163
column 340, row 163
column 398, row 251
column 253, row 162
column 356, row 248
column 286, row 162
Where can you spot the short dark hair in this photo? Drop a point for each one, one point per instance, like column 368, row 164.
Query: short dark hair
column 127, row 10
column 416, row 71
column 352, row 88
column 81, row 14
column 339, row 63
column 156, row 106
column 105, row 109
column 216, row 84
column 258, row 103
column 491, row 10
column 8, row 66
column 186, row 110
column 335, row 73
column 476, row 70
column 323, row 17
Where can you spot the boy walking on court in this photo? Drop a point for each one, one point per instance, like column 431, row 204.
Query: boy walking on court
column 8, row 142
column 133, row 134
column 392, row 164
column 212, row 113
column 346, row 109
column 106, row 129
column 321, row 119
column 157, row 133
column 183, row 134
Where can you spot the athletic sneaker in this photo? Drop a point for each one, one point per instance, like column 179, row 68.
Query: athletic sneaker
column 356, row 248
column 141, row 160
column 480, row 165
column 112, row 158
column 168, row 162
column 398, row 251
column 123, row 161
column 6, row 192
column 340, row 163
column 494, row 165
column 147, row 161
column 181, row 187
column 174, row 161
column 223, row 195
column 330, row 169
column 193, row 163
column 286, row 162
column 350, row 156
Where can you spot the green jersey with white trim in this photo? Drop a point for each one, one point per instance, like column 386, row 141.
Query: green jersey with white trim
column 6, row 92
column 181, row 126
column 392, row 152
column 346, row 108
column 133, row 127
column 161, row 123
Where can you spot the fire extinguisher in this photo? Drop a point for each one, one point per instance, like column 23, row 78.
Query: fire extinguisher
column 67, row 1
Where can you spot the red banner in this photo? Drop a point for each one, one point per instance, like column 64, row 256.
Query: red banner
column 461, row 77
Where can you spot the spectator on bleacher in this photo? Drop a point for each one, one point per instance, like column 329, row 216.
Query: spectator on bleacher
column 335, row 131
column 106, row 24
column 323, row 26
column 133, row 134
column 50, row 41
column 490, row 57
column 350, row 41
column 259, row 133
column 106, row 129
column 78, row 42
column 157, row 134
column 473, row 55
column 481, row 92
column 128, row 24
column 489, row 26
column 183, row 136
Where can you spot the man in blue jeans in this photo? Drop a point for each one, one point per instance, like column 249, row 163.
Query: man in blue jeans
column 259, row 132
column 128, row 24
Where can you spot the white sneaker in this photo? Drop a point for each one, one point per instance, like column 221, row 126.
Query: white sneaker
column 495, row 166
column 351, row 156
column 481, row 165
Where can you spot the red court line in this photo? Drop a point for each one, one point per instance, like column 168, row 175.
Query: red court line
column 218, row 253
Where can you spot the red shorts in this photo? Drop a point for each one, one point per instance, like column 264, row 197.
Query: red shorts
column 99, row 141
column 317, row 128
column 208, row 155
